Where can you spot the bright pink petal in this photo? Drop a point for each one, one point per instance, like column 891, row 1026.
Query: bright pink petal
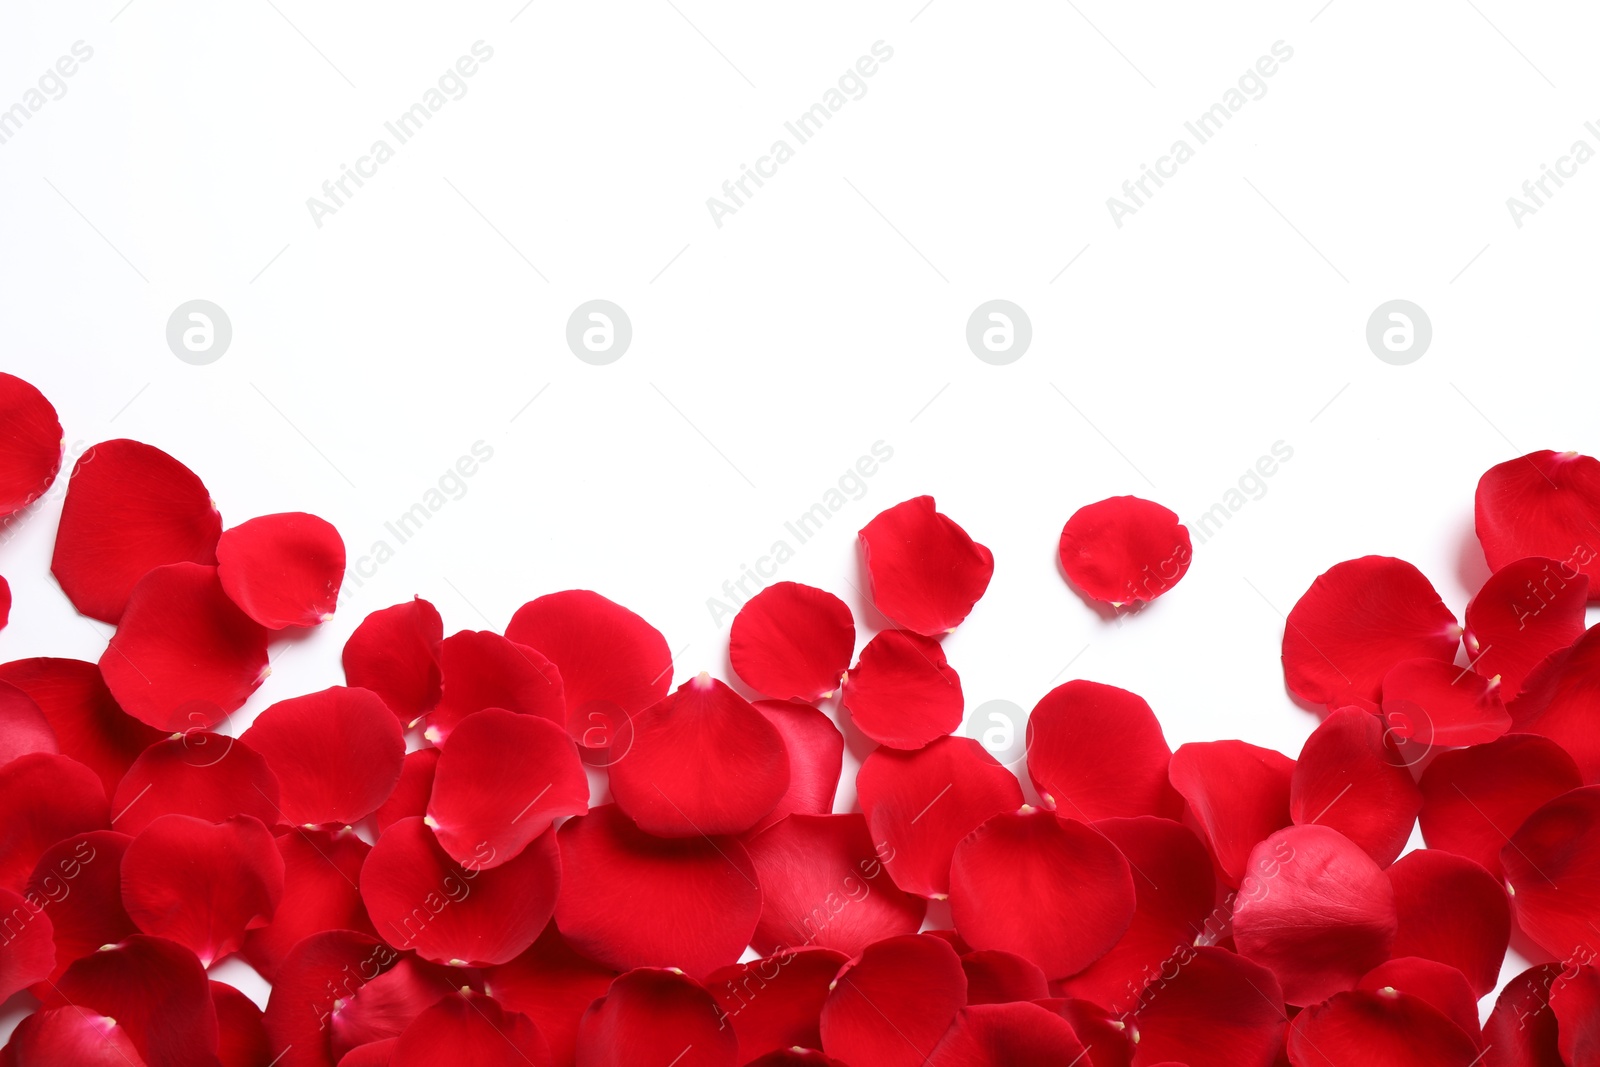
column 816, row 758
column 1315, row 911
column 484, row 670
column 1521, row 1031
column 197, row 773
column 58, row 1037
column 1453, row 911
column 701, row 761
column 78, row 885
column 23, row 727
column 155, row 990
column 553, row 986
column 45, row 798
column 655, row 1016
column 1526, row 610
column 1439, row 984
column 925, row 573
column 321, row 871
column 283, row 570
column 395, row 653
column 411, row 793
column 337, row 754
column 382, row 1008
column 1430, row 702
column 30, row 444
column 130, row 508
column 631, row 900
column 1047, row 889
column 776, row 1002
column 903, row 693
column 241, row 1032
column 315, row 977
column 419, row 898
column 87, row 723
column 502, row 780
column 1542, row 504
column 1552, row 868
column 1356, row 622
column 1238, row 793
column 792, row 641
column 1576, row 1002
column 28, row 950
column 1391, row 1029
column 1097, row 752
column 469, row 1028
column 183, row 655
column 1560, row 705
column 1124, row 550
column 1207, row 1007
column 890, row 1006
column 1007, row 1035
column 922, row 804
column 1351, row 778
column 995, row 977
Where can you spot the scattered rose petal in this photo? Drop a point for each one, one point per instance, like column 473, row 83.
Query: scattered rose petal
column 792, row 642
column 5, row 603
column 1382, row 1029
column 395, row 653
column 1351, row 778
column 283, row 570
column 1097, row 752
column 903, row 693
column 655, row 1016
column 28, row 951
column 411, row 793
column 30, row 444
column 1561, row 704
column 1439, row 984
column 1576, row 1003
column 155, row 990
column 1526, row 610
column 1453, row 911
column 1521, row 1030
column 241, row 1032
column 372, row 1054
column 318, row 973
column 71, row 1035
column 1108, row 1038
column 45, row 798
column 795, row 1057
column 472, row 1029
column 1542, row 504
column 1237, row 793
column 197, row 773
column 336, row 754
column 1215, row 1010
column 1125, row 550
column 321, row 869
column 776, row 1002
column 816, row 758
column 1552, row 869
column 1007, row 1035
column 484, row 670
column 1430, row 702
column 891, row 1005
column 78, row 886
column 382, row 1008
column 924, row 572
column 23, row 727
column 87, row 723
column 995, row 977
column 553, row 986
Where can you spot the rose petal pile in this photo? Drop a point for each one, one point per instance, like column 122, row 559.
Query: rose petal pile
column 576, row 864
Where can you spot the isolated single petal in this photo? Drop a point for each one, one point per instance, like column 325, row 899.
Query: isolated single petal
column 776, row 1002
column 283, row 570
column 891, row 1005
column 1351, row 778
column 1474, row 799
column 1007, row 1035
column 71, row 1035
column 1541, row 504
column 78, row 885
column 411, row 793
column 1526, row 610
column 28, row 952
column 1124, row 549
column 925, row 572
column 553, row 985
column 155, row 990
column 23, row 727
column 1378, row 1029
column 655, row 1016
column 395, row 653
column 903, row 693
column 1560, row 703
column 241, row 1032
column 816, row 758
column 1206, row 1007
column 1552, row 869
column 199, row 773
column 321, row 872
column 792, row 641
column 1453, row 911
column 336, row 754
column 482, row 670
column 470, row 1028
column 30, row 444
column 87, row 723
column 1238, row 794
column 1097, row 752
column 1521, row 1031
column 45, row 798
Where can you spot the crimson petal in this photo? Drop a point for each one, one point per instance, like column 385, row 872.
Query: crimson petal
column 1207, row 1007
column 321, row 869
column 5, row 603
column 410, row 796
column 1521, row 1031
column 1474, row 799
column 995, row 977
column 482, row 670
column 1439, row 984
column 1560, row 703
column 1351, row 778
column 1526, row 610
column 23, row 727
column 890, row 1006
column 87, row 723
column 30, row 444
column 28, row 952
column 283, row 570
column 655, row 1016
column 816, row 758
column 383, row 1007
column 925, row 572
column 1431, row 702
column 1124, row 549
column 1007, row 1035
column 776, row 1002
column 903, row 693
column 395, row 653
column 1576, row 1002
column 78, row 884
column 792, row 641
column 1542, row 504
column 1097, row 752
column 241, row 1033
column 1382, row 1029
column 796, row 1057
column 1453, row 911
column 155, row 990
column 197, row 773
column 336, row 754
column 553, row 986
column 45, row 798
column 315, row 977
column 471, row 1028
column 372, row 1054
column 1237, row 793
column 71, row 1035
column 1552, row 867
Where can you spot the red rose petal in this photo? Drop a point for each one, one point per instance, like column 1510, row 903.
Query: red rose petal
column 484, row 670
column 903, row 693
column 1576, row 1003
column 1439, row 984
column 816, row 758
column 1542, row 504
column 5, row 603
column 336, row 754
column 823, row 885
column 995, row 977
column 1525, row 611
column 419, row 898
column 470, row 1028
column 792, row 642
column 890, row 1006
column 925, row 573
column 613, row 663
column 1109, row 1039
column 553, row 986
column 30, row 444
column 1521, row 1031
column 796, row 1057
column 1207, row 1007
column 283, row 570
column 241, row 1032
column 78, row 885
column 501, row 781
column 1474, row 799
column 318, row 973
column 1239, row 795
column 1351, row 778
column 23, row 727
column 1123, row 549
column 202, row 884
column 701, row 761
column 1552, row 868
column 1050, row 890
column 130, row 508
column 631, row 900
column 776, row 1002
column 45, row 798
column 372, row 1054
column 155, row 990
column 62, row 1036
column 321, row 872
column 1007, row 1035
column 1378, row 1030
column 1357, row 621
column 87, row 723
column 28, row 951
column 655, row 1016
column 1453, row 911
column 383, row 1007
column 1097, row 752
column 1561, row 705
column 411, row 793
column 183, row 655
column 1431, row 702
column 922, row 804
column 199, row 773
column 395, row 653
column 1316, row 911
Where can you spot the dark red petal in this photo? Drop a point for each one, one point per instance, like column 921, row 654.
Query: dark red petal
column 28, row 950
column 1351, row 778
column 925, row 573
column 336, row 753
column 469, row 1028
column 903, row 692
column 1238, row 793
column 890, row 1006
column 45, row 798
column 655, row 1016
column 1007, row 1035
column 318, row 973
column 419, row 898
column 78, row 884
column 792, row 641
column 156, row 991
column 1123, row 549
column 1378, row 1030
column 1207, row 1007
column 823, row 885
column 816, row 757
column 30, row 444
column 23, row 727
column 1109, row 1039
column 1473, row 800
column 482, row 670
column 1097, row 752
column 183, row 655
column 501, row 781
column 553, row 986
column 995, row 977
column 1430, row 702
column 202, row 884
column 1439, row 984
column 1316, row 911
column 1453, row 911
column 921, row 804
column 372, row 1054
column 1562, row 709
column 1050, row 890
column 321, row 872
column 410, row 796
column 197, row 773
column 1542, row 504
column 613, row 663
column 395, row 653
column 631, row 900
column 1576, row 1002
column 59, row 1037
column 85, row 718
column 1356, row 622
column 130, row 508
column 701, row 761
column 1552, row 868
column 1525, row 611
column 1176, row 891
column 242, row 1034
column 1521, row 1031
column 386, row 1005
column 776, row 1002
column 796, row 1057
column 283, row 570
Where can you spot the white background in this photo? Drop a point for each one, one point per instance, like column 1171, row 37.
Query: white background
column 827, row 314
